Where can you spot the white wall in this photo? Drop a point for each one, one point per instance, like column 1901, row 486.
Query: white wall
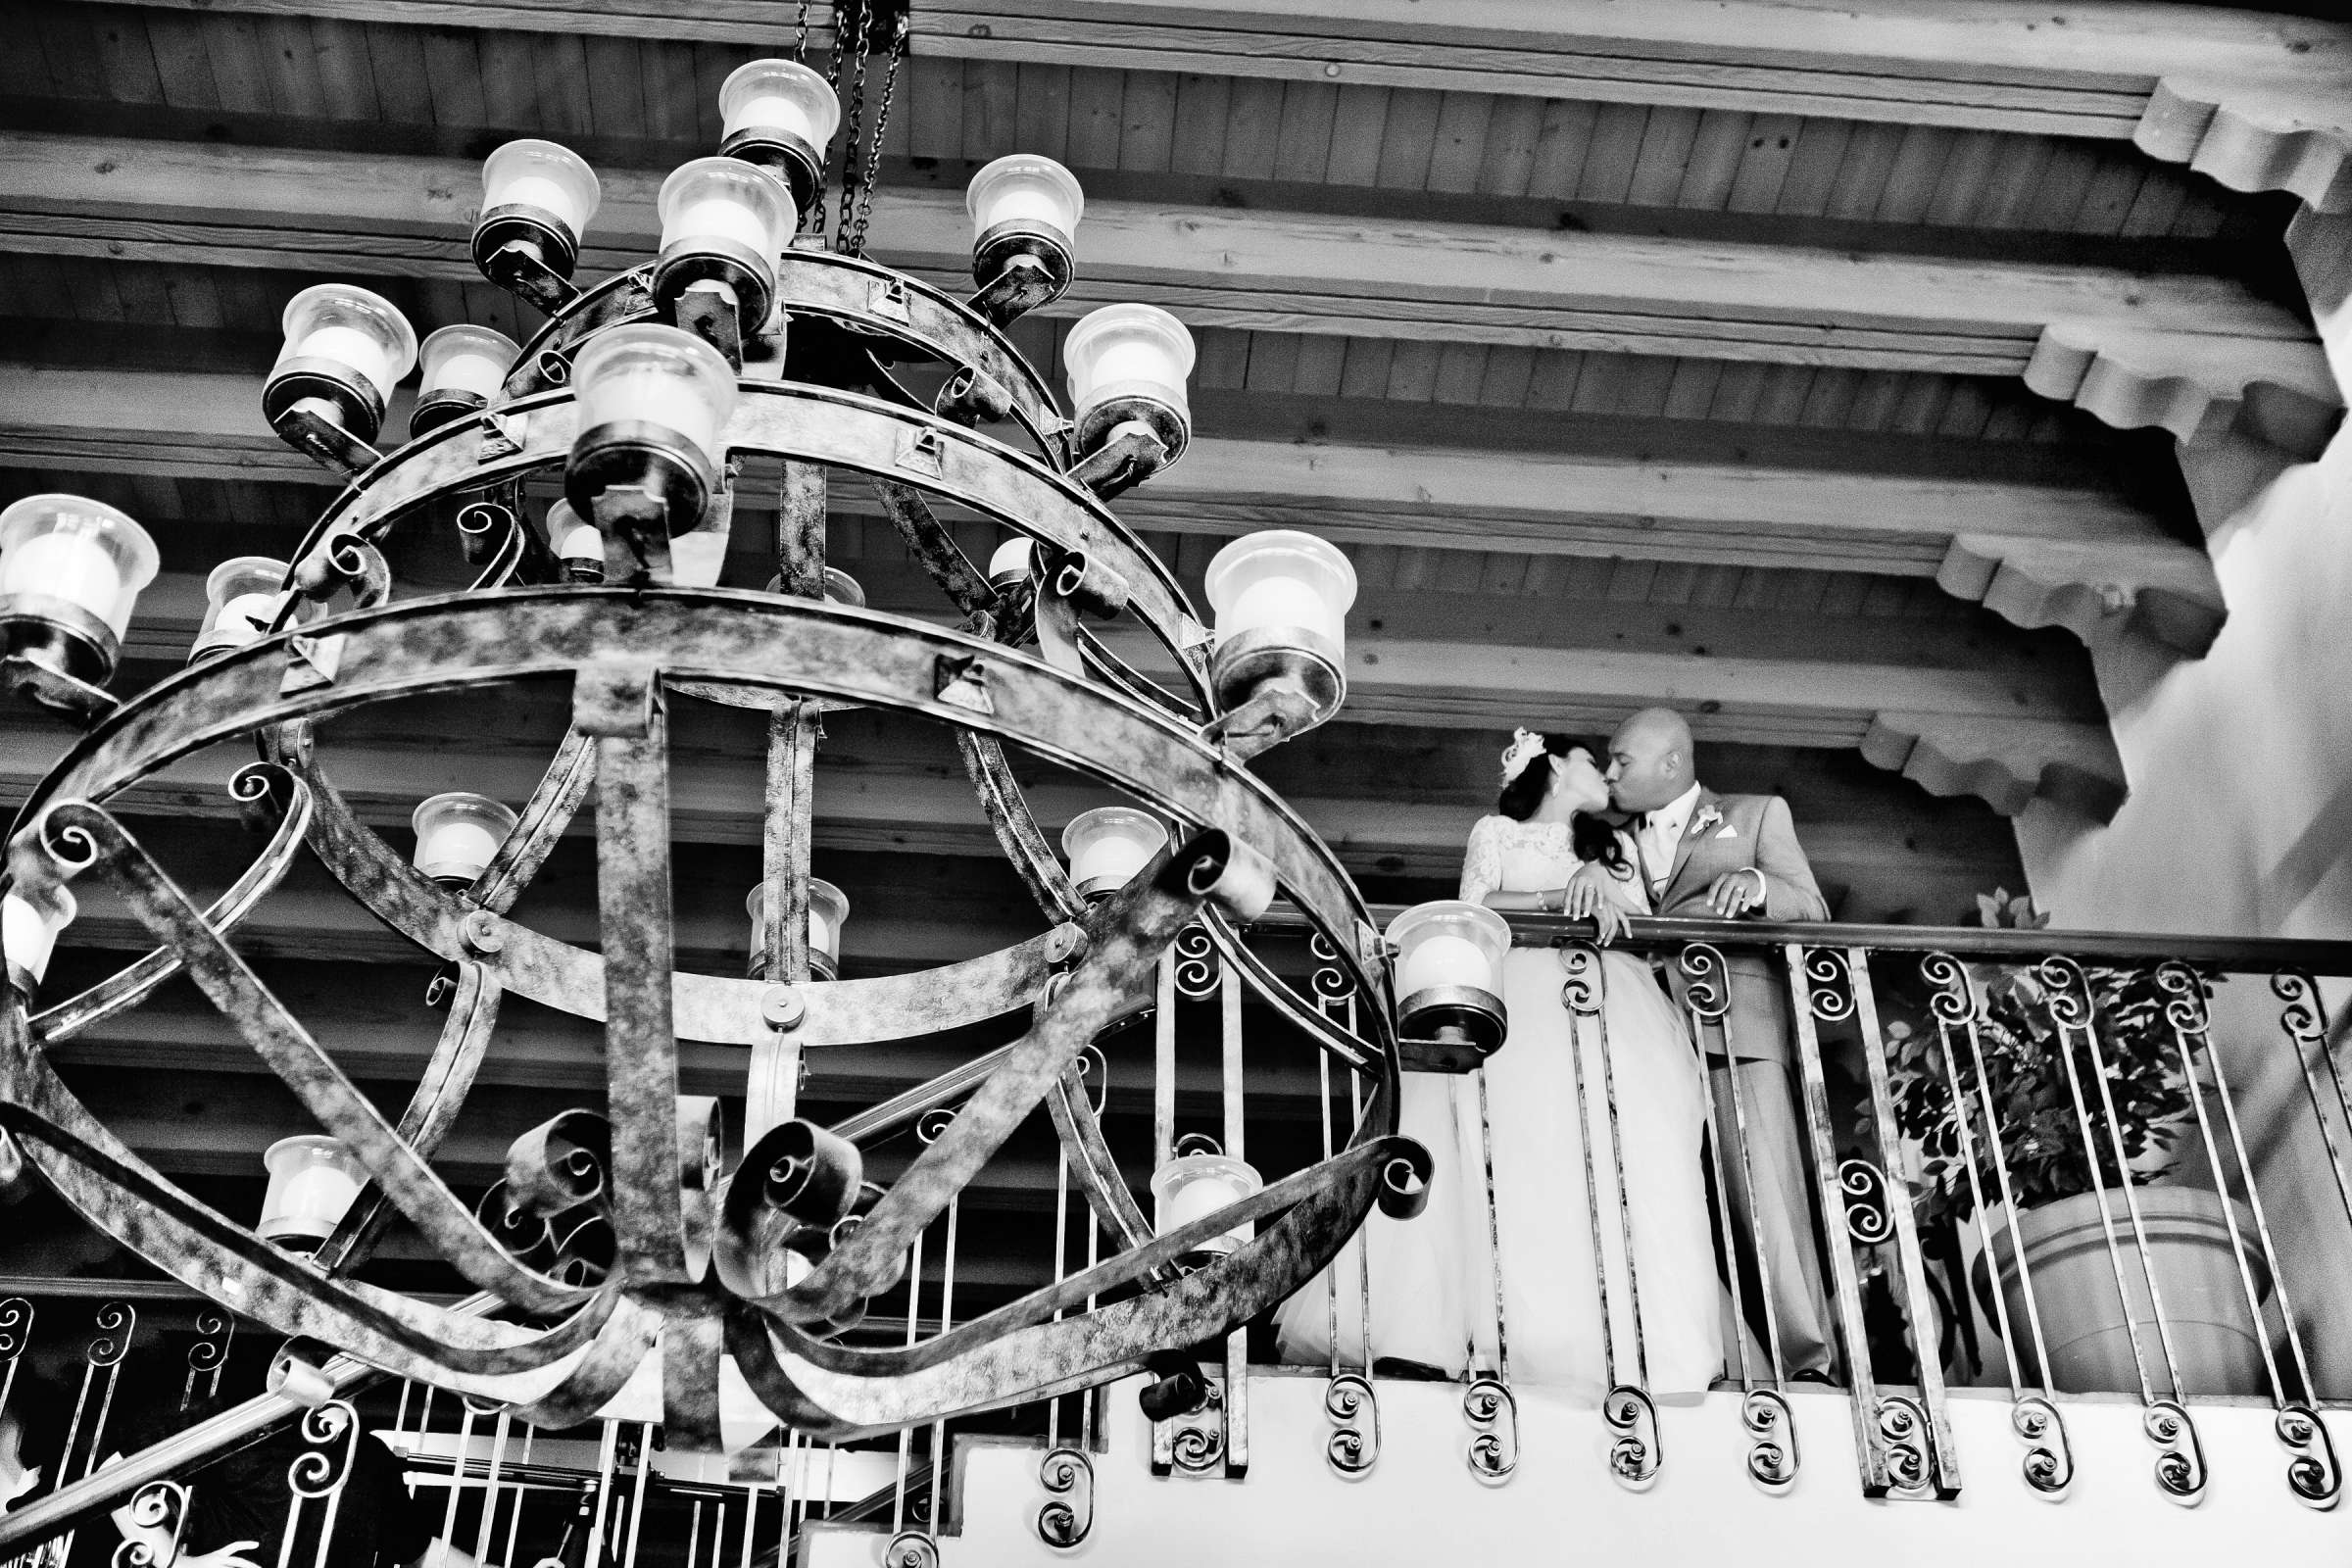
column 1421, row 1505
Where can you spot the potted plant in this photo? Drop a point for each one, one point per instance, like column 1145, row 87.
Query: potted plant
column 2058, row 1210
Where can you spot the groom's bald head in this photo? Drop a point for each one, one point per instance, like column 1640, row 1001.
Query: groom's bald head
column 1650, row 759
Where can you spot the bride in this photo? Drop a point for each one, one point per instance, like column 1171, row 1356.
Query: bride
column 1433, row 1286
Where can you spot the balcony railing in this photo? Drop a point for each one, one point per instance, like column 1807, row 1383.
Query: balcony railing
column 2057, row 1166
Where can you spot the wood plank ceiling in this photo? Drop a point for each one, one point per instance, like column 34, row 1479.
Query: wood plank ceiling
column 1826, row 384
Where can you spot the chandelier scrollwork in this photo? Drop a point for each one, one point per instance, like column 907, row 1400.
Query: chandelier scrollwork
column 638, row 1268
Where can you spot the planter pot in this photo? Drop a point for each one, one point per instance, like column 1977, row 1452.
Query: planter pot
column 2083, row 1321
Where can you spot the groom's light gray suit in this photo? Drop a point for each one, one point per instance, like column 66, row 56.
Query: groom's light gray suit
column 1738, row 833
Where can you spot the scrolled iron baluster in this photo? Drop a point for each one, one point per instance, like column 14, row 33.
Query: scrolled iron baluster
column 331, row 1434
column 2049, row 1463
column 1493, row 1416
column 2312, row 1471
column 1354, row 1413
column 2181, row 1466
column 1199, row 1448
column 1197, row 964
column 215, row 1330
column 1830, row 992
column 116, row 1323
column 2313, row 1474
column 1772, row 1452
column 1867, row 1218
column 2049, row 1466
column 1067, row 1516
column 1904, row 1426
column 911, row 1548
column 1635, row 1452
column 158, row 1505
column 16, row 1332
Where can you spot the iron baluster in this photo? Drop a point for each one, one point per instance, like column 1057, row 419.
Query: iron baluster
column 2049, row 1462
column 2181, row 1457
column 331, row 1434
column 215, row 1330
column 1635, row 1451
column 1349, row 1401
column 2313, row 1473
column 1488, row 1403
column 1812, row 1007
column 1773, row 1454
column 1237, row 1341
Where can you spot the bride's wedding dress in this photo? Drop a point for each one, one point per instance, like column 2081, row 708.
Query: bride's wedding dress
column 1432, row 1283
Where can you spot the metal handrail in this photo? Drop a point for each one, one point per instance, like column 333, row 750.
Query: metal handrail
column 1646, row 933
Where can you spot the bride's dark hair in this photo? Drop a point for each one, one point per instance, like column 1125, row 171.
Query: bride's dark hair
column 1523, row 792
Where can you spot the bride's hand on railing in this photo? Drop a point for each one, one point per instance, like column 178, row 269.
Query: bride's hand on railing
column 1590, row 896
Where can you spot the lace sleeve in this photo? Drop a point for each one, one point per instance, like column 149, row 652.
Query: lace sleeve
column 1481, row 863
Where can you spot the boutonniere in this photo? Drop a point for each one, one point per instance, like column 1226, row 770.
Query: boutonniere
column 1706, row 819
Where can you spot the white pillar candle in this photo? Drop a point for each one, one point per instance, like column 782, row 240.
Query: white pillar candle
column 75, row 568
column 540, row 173
column 243, row 619
column 1110, row 843
column 313, row 1181
column 467, row 359
column 658, row 374
column 83, row 552
column 573, row 538
column 779, row 98
column 1025, row 188
column 458, row 835
column 29, row 931
column 363, row 353
column 1281, row 577
column 1444, row 961
column 696, row 559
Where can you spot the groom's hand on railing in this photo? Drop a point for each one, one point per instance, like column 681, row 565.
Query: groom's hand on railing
column 1734, row 893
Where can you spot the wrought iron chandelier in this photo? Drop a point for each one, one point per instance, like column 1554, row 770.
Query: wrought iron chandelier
column 754, row 333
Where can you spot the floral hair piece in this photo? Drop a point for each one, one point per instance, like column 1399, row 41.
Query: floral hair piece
column 1526, row 745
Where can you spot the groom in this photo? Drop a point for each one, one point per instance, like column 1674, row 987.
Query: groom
column 1702, row 855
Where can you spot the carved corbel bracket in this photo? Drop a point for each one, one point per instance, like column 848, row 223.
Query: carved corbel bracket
column 2092, row 590
column 2007, row 763
column 2244, row 148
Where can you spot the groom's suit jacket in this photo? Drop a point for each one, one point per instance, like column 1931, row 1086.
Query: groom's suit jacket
column 1733, row 833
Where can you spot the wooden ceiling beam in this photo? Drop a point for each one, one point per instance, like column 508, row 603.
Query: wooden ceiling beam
column 2061, row 554
column 2259, row 102
column 2180, row 352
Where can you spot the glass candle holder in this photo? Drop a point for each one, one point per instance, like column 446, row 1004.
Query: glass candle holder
column 828, row 909
column 363, row 334
column 71, row 571
column 458, row 835
column 1130, row 362
column 1012, row 561
column 578, row 545
column 1281, row 599
column 1108, row 845
column 314, row 1179
column 1192, row 1187
column 840, row 588
column 29, row 927
column 723, row 220
column 241, row 600
column 1449, row 956
column 465, row 366
column 1026, row 189
column 553, row 183
column 649, row 374
column 780, row 115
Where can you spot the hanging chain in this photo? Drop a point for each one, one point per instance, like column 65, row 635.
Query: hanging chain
column 873, row 156
column 851, row 150
column 800, row 34
column 816, row 215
